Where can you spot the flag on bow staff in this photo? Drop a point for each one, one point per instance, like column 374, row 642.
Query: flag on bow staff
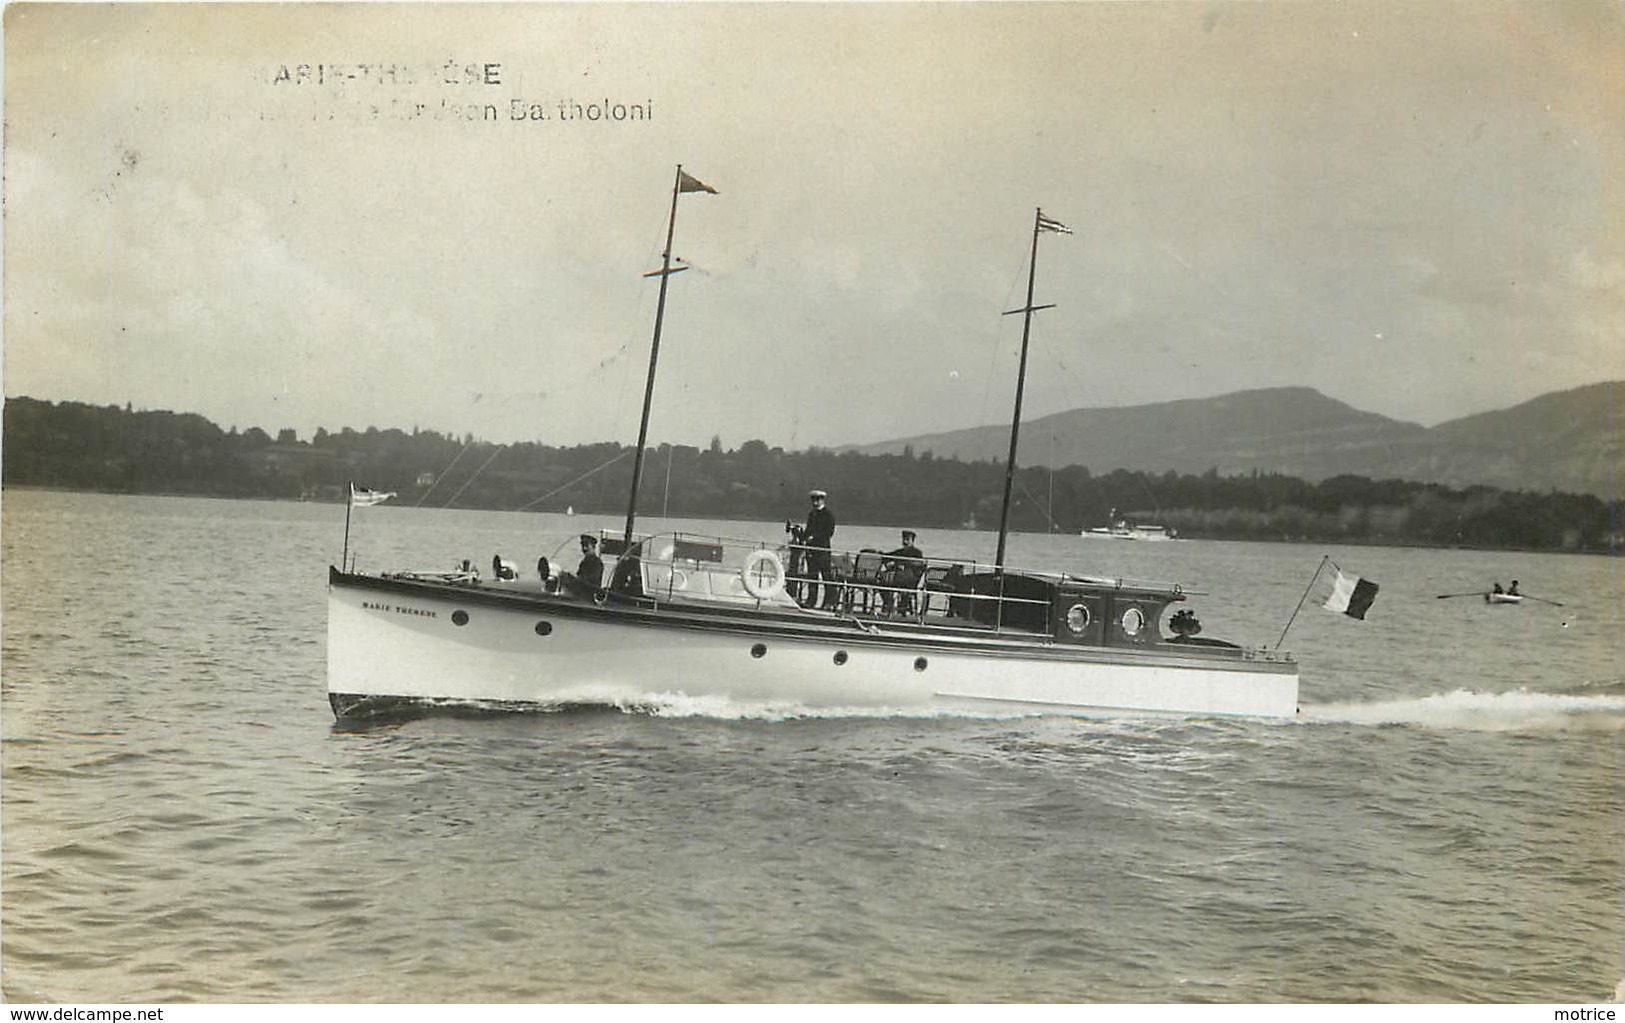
column 1051, row 224
column 687, row 182
column 1351, row 595
column 361, row 497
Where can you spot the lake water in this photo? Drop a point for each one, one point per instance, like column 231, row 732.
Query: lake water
column 183, row 820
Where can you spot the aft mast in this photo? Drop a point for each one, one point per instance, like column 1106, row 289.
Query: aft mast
column 683, row 183
column 1041, row 224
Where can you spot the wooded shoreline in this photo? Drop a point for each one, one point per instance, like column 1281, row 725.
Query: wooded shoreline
column 75, row 446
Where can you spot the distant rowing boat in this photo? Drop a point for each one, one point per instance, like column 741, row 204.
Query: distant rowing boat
column 1498, row 596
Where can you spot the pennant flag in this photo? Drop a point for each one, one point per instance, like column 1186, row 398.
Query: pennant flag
column 1049, row 224
column 361, row 497
column 1351, row 595
column 688, row 183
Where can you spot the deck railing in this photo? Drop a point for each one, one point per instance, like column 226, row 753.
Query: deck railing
column 681, row 567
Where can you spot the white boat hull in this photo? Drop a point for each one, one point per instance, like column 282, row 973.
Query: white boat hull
column 391, row 644
column 1147, row 534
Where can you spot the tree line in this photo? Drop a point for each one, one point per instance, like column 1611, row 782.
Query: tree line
column 72, row 445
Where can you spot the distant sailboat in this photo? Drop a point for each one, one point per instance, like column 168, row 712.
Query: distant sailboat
column 570, row 510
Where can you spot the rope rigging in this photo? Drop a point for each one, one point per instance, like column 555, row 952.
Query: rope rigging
column 440, row 476
column 578, row 479
column 474, row 477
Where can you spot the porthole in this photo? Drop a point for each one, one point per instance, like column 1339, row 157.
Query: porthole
column 759, row 650
column 544, row 628
column 459, row 617
column 920, row 663
column 840, row 657
column 1078, row 618
column 1133, row 621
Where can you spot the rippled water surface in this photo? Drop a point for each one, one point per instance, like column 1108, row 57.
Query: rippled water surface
column 182, row 819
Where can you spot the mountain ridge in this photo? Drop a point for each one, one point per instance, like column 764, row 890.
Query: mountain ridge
column 1566, row 440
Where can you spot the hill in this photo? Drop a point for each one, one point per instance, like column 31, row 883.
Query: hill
column 1565, row 440
column 1568, row 440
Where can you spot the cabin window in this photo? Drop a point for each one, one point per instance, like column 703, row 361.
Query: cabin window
column 544, row 628
column 759, row 650
column 920, row 663
column 1133, row 621
column 840, row 657
column 1078, row 618
column 459, row 617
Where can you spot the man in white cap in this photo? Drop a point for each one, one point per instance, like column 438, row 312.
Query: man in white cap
column 820, row 529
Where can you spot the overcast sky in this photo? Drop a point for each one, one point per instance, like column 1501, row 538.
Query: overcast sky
column 1416, row 208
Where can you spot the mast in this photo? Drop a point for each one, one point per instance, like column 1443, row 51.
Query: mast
column 664, row 273
column 1040, row 223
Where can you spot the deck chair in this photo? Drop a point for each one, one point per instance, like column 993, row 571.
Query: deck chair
column 935, row 580
column 840, row 573
column 900, row 581
column 860, row 583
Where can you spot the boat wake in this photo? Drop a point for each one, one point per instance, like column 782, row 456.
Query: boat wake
column 1518, row 710
column 722, row 708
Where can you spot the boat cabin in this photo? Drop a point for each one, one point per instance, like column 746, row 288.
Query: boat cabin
column 1071, row 610
column 682, row 569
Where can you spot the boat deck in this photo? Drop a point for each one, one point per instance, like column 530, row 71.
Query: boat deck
column 715, row 582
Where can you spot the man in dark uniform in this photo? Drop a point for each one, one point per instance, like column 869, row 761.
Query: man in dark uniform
column 591, row 569
column 902, row 569
column 818, row 532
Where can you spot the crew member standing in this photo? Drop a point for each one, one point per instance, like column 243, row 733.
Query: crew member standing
column 820, row 529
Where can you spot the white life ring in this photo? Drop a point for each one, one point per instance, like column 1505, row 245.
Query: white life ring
column 763, row 574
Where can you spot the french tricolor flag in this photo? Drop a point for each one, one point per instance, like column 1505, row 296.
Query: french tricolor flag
column 1351, row 595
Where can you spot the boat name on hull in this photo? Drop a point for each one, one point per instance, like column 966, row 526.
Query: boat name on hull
column 368, row 605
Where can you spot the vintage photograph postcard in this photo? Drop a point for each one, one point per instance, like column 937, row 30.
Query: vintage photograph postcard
column 812, row 502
